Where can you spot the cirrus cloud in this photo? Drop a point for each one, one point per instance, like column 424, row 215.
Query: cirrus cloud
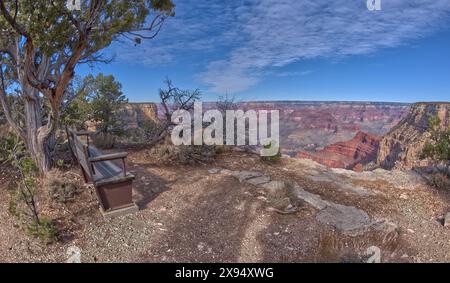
column 243, row 41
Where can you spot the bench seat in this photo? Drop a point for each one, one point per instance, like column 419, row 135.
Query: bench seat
column 107, row 172
column 113, row 184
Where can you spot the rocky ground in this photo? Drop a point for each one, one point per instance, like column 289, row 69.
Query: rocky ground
column 239, row 209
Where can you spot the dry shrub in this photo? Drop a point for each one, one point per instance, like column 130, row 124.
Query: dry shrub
column 183, row 154
column 440, row 181
column 104, row 140
column 62, row 186
column 334, row 247
column 283, row 196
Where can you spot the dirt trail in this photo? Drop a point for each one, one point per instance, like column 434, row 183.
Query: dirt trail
column 189, row 214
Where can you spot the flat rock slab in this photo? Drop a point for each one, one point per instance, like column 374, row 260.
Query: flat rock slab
column 258, row 180
column 314, row 200
column 342, row 185
column 245, row 175
column 350, row 220
column 347, row 219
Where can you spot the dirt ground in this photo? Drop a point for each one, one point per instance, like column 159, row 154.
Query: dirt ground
column 188, row 214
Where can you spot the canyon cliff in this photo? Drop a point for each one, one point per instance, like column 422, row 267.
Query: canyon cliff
column 360, row 150
column 134, row 114
column 402, row 146
column 336, row 134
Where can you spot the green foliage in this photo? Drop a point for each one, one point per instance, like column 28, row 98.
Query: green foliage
column 60, row 163
column 105, row 99
column 51, row 24
column 438, row 147
column 99, row 99
column 105, row 140
column 45, row 230
column 77, row 112
column 49, row 41
column 274, row 158
column 23, row 203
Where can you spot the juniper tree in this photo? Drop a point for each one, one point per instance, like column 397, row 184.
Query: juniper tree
column 41, row 44
column 105, row 99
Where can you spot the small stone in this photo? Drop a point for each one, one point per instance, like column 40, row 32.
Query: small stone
column 447, row 220
column 214, row 170
column 404, row 196
column 201, row 246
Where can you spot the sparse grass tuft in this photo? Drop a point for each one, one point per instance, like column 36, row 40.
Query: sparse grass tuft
column 45, row 231
column 440, row 181
column 282, row 197
column 61, row 186
column 334, row 247
column 169, row 153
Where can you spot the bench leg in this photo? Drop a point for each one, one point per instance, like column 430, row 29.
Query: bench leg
column 85, row 176
column 133, row 208
column 116, row 197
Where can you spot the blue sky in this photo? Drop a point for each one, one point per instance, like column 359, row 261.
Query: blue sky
column 293, row 50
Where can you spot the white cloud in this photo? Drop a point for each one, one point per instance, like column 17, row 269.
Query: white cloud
column 226, row 78
column 251, row 38
column 198, row 27
column 293, row 74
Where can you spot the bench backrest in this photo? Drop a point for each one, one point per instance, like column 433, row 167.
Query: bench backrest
column 80, row 150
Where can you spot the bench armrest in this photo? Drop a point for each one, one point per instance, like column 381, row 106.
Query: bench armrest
column 106, row 157
column 83, row 133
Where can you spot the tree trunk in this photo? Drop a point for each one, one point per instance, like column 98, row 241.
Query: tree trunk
column 38, row 143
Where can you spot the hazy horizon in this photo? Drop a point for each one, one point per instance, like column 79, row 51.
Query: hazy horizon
column 306, row 101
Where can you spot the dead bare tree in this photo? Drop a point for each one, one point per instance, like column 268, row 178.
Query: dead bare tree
column 172, row 99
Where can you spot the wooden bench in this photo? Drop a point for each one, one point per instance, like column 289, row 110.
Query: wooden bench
column 113, row 184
